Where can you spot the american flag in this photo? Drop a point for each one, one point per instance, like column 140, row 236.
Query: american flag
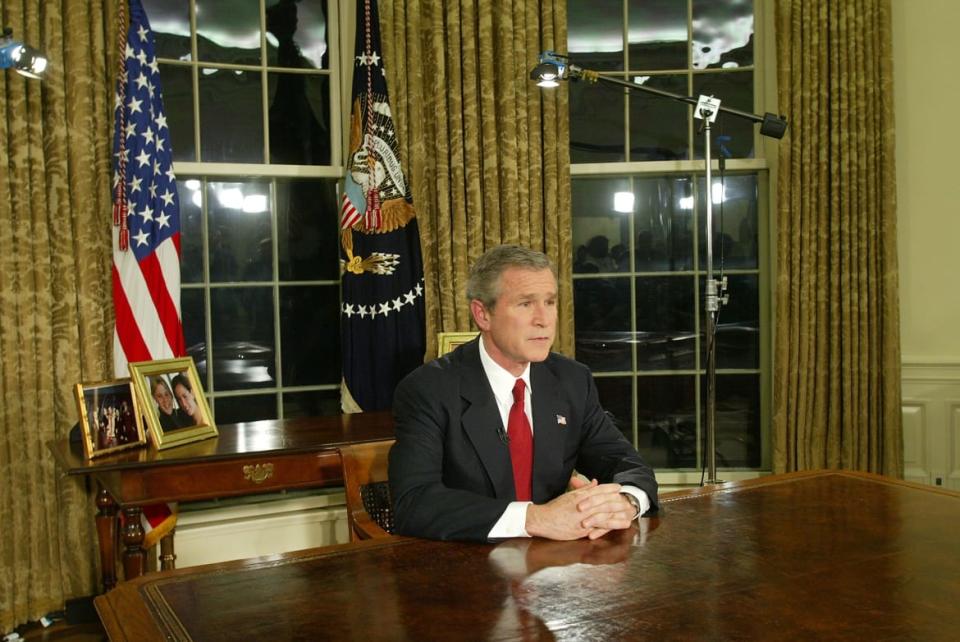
column 146, row 249
column 146, row 234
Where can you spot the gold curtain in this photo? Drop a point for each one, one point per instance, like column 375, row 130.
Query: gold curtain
column 837, row 353
column 55, row 299
column 485, row 149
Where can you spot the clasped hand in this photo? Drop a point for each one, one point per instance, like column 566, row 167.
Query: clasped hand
column 589, row 510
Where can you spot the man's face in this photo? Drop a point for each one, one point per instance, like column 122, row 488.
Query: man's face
column 163, row 398
column 521, row 326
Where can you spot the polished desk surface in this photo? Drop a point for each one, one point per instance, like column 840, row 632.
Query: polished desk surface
column 301, row 453
column 824, row 556
column 305, row 434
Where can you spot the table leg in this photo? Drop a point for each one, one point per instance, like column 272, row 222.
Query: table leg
column 107, row 535
column 168, row 558
column 134, row 557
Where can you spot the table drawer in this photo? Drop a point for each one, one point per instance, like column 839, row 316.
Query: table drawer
column 232, row 477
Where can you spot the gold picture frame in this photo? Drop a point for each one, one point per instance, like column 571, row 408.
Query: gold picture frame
column 448, row 341
column 172, row 401
column 110, row 418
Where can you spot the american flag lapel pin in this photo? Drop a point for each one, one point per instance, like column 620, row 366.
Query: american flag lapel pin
column 561, row 420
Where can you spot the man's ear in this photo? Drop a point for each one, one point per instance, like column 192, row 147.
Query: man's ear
column 481, row 315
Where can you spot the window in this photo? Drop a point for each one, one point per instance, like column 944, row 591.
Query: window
column 639, row 198
column 251, row 92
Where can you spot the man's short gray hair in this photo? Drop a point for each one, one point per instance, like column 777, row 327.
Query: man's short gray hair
column 483, row 283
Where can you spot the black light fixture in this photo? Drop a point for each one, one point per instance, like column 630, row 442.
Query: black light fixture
column 23, row 59
column 553, row 67
column 550, row 70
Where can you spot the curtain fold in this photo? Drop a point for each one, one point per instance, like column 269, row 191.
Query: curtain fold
column 837, row 352
column 486, row 150
column 55, row 300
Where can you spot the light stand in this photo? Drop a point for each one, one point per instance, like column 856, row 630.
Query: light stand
column 554, row 67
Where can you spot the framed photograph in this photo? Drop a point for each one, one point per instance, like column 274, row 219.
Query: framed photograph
column 109, row 417
column 447, row 341
column 172, row 401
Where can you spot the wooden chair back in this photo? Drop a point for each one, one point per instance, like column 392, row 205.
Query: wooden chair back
column 369, row 508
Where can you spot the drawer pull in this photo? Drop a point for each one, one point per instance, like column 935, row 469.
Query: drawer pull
column 258, row 473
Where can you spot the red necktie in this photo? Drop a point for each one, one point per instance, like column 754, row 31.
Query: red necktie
column 521, row 445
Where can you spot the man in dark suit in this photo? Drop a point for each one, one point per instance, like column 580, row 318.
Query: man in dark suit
column 464, row 467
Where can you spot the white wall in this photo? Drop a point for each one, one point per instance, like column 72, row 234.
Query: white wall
column 244, row 527
column 926, row 100
column 926, row 93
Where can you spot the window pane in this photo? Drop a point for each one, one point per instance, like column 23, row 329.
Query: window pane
column 738, row 420
column 191, row 231
column 666, row 421
column 297, row 34
column 595, row 34
column 658, row 126
column 170, row 23
column 722, row 33
column 231, row 116
column 177, row 90
column 243, row 350
column 665, row 323
column 228, row 31
column 239, row 229
column 657, row 34
column 738, row 327
column 299, row 119
column 601, row 235
column 733, row 136
column 316, row 403
column 307, row 225
column 596, row 123
column 617, row 399
column 310, row 334
column 735, row 245
column 663, row 223
column 193, row 314
column 602, row 320
column 232, row 410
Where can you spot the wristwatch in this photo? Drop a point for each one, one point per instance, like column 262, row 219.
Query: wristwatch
column 633, row 502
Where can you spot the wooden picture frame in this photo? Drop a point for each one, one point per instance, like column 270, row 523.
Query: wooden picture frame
column 448, row 341
column 110, row 418
column 172, row 401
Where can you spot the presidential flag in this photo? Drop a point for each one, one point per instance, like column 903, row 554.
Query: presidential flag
column 146, row 214
column 382, row 314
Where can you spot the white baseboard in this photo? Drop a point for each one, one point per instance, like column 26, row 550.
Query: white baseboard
column 211, row 532
column 930, row 408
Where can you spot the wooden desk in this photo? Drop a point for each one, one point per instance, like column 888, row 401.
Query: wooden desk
column 815, row 556
column 247, row 458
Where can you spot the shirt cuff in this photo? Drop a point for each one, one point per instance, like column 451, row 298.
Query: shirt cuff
column 513, row 522
column 640, row 495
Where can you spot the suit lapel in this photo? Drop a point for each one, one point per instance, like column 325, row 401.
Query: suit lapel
column 548, row 434
column 481, row 421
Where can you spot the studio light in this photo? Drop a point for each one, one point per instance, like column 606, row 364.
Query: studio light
column 550, row 69
column 553, row 67
column 23, row 59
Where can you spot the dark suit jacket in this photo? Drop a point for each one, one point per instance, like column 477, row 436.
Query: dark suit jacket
column 450, row 471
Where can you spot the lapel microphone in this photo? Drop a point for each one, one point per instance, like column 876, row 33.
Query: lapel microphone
column 502, row 433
